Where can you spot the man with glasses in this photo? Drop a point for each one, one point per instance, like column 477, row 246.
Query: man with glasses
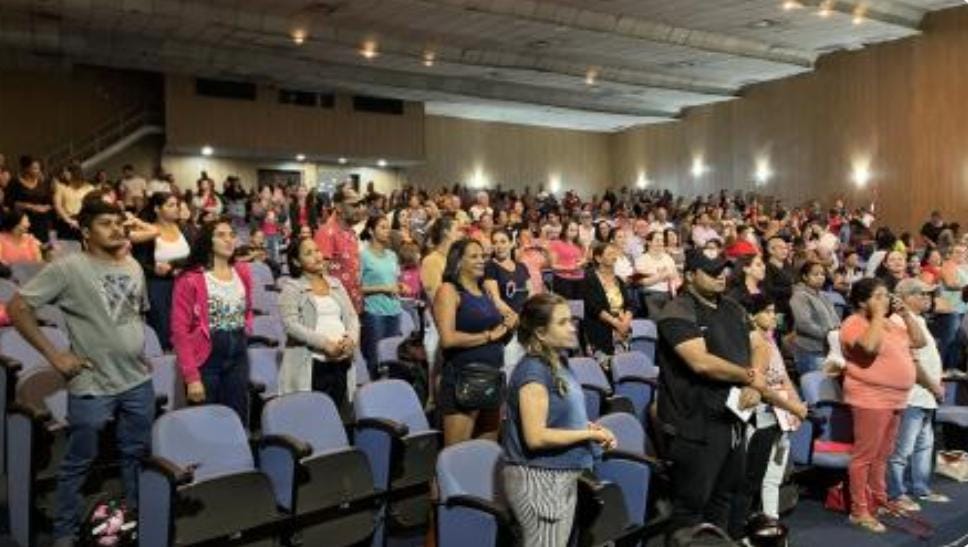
column 338, row 242
column 909, row 468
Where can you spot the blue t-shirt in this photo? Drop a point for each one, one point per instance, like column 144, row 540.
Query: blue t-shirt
column 565, row 411
column 379, row 269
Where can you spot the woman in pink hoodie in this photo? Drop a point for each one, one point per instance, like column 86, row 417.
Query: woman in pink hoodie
column 211, row 317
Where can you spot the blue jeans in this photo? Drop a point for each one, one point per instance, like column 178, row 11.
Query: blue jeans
column 225, row 374
column 87, row 415
column 373, row 329
column 807, row 361
column 912, row 453
column 945, row 327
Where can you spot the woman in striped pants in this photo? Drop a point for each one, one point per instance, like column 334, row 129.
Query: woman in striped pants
column 548, row 439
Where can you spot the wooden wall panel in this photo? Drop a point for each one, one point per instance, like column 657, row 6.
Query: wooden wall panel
column 898, row 105
column 43, row 110
column 270, row 129
column 514, row 156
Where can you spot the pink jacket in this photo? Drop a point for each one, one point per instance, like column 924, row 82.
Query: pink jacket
column 189, row 319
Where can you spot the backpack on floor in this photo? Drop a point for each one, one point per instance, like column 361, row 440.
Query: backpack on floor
column 109, row 524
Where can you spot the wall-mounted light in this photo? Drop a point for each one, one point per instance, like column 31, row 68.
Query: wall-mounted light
column 207, row 151
column 826, row 8
column 642, row 180
column 478, row 178
column 298, row 36
column 763, row 172
column 300, row 157
column 428, row 58
column 342, row 161
column 699, row 167
column 591, row 77
column 369, row 49
column 859, row 14
column 554, row 183
column 861, row 172
column 381, row 162
column 791, row 5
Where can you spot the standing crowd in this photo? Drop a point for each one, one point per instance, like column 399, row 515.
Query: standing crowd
column 746, row 293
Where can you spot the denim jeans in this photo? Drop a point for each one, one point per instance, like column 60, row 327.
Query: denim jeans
column 945, row 328
column 87, row 415
column 225, row 374
column 912, row 454
column 375, row 328
column 807, row 361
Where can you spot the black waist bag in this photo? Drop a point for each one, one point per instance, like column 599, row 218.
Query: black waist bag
column 478, row 386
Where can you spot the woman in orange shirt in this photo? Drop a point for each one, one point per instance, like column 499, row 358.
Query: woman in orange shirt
column 16, row 243
column 879, row 376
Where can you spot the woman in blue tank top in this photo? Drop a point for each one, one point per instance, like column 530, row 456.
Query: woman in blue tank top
column 471, row 332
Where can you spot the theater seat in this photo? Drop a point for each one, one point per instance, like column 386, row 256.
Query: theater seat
column 634, row 376
column 644, row 337
column 834, row 436
column 201, row 485
column 393, row 432
column 318, row 478
column 596, row 388
column 627, row 465
column 471, row 513
column 950, row 412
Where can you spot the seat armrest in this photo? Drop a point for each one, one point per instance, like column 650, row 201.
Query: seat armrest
column 636, row 379
column 601, row 391
column 299, row 449
column 175, row 474
column 479, row 504
column 391, row 427
column 10, row 365
column 256, row 386
column 618, row 403
column 258, row 339
column 39, row 415
column 271, row 287
column 655, row 464
column 161, row 399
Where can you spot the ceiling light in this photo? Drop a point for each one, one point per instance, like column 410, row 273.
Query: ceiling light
column 428, row 58
column 342, row 161
column 826, row 8
column 791, row 4
column 298, row 36
column 207, row 151
column 591, row 76
column 554, row 183
column 642, row 181
column 859, row 15
column 382, row 162
column 300, row 157
column 369, row 49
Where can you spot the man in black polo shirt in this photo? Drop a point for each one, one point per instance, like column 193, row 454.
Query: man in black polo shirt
column 703, row 352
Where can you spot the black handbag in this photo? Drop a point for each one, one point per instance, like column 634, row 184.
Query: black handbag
column 478, row 386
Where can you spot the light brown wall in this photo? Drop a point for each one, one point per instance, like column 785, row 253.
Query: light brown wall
column 511, row 155
column 901, row 105
column 279, row 130
column 41, row 110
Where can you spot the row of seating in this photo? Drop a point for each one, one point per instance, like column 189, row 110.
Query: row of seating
column 305, row 478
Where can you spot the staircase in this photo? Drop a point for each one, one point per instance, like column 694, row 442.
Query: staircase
column 108, row 139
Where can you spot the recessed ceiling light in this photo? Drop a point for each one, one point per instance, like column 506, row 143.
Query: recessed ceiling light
column 428, row 58
column 382, row 162
column 591, row 76
column 207, row 150
column 298, row 36
column 342, row 160
column 825, row 9
column 791, row 4
column 300, row 157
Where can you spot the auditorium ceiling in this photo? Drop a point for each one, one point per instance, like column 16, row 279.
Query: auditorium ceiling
column 600, row 65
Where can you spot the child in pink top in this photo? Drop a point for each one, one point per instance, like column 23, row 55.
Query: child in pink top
column 410, row 270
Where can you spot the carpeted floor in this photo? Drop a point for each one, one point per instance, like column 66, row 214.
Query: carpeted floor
column 813, row 526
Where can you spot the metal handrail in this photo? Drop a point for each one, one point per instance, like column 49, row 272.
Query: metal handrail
column 106, row 134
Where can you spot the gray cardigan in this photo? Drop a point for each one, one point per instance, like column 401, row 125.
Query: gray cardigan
column 813, row 317
column 298, row 309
